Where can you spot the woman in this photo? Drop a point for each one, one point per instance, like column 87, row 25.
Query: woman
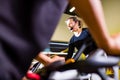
column 79, row 37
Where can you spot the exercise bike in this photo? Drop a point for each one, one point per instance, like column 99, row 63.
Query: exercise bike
column 95, row 63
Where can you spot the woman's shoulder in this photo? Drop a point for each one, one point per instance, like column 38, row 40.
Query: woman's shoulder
column 85, row 29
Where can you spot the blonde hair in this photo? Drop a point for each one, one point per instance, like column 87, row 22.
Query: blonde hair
column 76, row 19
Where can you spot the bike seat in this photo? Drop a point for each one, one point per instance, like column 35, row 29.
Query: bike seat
column 98, row 58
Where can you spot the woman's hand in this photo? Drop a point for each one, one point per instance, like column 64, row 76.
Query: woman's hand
column 115, row 44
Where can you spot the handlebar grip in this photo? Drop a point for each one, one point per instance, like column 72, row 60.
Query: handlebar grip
column 71, row 60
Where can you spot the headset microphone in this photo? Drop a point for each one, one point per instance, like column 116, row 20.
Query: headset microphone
column 71, row 28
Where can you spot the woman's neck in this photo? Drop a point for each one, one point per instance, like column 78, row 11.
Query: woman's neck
column 78, row 32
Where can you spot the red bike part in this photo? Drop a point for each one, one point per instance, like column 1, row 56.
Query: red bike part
column 33, row 76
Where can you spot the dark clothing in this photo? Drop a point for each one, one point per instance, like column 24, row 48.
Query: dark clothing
column 25, row 29
column 76, row 42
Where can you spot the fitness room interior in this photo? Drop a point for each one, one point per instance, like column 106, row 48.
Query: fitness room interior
column 59, row 46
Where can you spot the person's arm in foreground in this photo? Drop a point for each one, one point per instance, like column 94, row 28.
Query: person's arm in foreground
column 46, row 60
column 92, row 13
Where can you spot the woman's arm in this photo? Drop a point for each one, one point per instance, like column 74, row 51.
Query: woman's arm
column 70, row 52
column 46, row 60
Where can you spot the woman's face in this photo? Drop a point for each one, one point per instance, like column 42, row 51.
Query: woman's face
column 72, row 25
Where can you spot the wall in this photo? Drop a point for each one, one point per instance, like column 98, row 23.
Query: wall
column 112, row 15
column 62, row 33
